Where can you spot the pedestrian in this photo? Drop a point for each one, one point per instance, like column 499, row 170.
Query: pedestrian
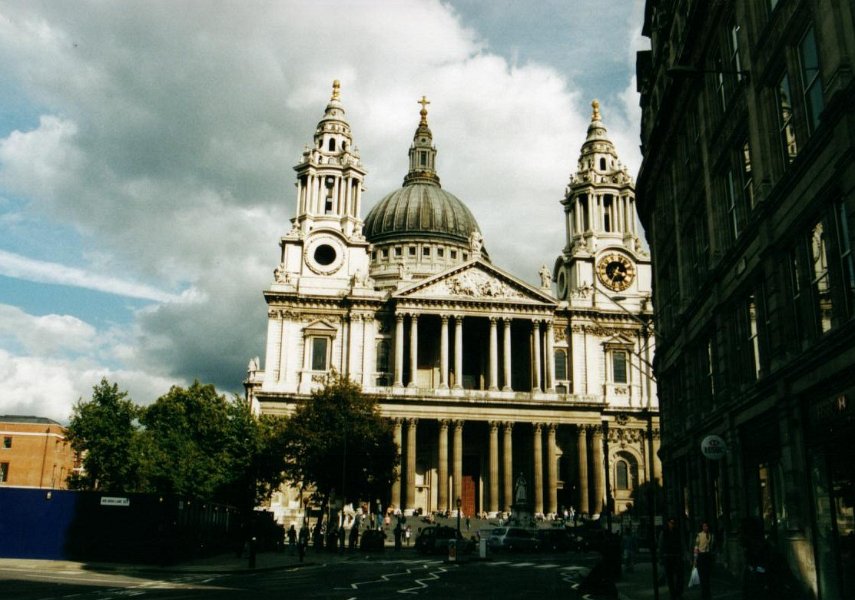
column 399, row 531
column 407, row 533
column 467, row 523
column 629, row 544
column 671, row 551
column 292, row 539
column 704, row 558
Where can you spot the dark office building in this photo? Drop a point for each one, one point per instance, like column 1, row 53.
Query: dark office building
column 747, row 195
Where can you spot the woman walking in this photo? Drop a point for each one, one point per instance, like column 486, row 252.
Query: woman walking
column 704, row 559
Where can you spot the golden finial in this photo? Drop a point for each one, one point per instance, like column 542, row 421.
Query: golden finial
column 335, row 90
column 423, row 112
column 596, row 105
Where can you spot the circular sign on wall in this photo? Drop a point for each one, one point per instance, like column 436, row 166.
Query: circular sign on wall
column 713, row 447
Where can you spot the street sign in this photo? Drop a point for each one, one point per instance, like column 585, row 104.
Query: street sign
column 713, row 447
column 109, row 501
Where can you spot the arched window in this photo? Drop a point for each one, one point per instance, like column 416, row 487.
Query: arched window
column 626, row 471
column 607, row 212
column 332, row 145
column 560, row 365
column 382, row 362
column 622, row 475
column 602, row 164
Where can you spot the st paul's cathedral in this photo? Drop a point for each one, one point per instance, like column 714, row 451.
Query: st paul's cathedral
column 484, row 376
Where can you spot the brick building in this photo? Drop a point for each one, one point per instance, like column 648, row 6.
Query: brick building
column 34, row 453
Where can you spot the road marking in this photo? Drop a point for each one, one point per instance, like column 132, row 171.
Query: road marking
column 432, row 576
column 523, row 564
column 546, row 566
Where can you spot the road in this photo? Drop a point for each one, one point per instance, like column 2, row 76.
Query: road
column 358, row 578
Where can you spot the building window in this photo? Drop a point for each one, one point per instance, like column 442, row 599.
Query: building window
column 811, row 84
column 454, row 255
column 412, row 250
column 320, row 353
column 819, row 279
column 7, row 441
column 753, row 336
column 425, row 250
column 846, row 257
column 381, row 363
column 621, row 475
column 785, row 120
column 4, row 472
column 440, row 252
column 397, row 251
column 385, row 253
column 619, row 364
column 422, row 159
column 602, row 164
column 747, row 178
column 332, row 145
column 560, row 365
column 607, row 212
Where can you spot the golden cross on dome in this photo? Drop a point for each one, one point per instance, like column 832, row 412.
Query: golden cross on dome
column 336, row 85
column 596, row 105
column 423, row 112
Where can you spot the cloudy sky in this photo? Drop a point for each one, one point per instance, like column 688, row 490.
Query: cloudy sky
column 146, row 153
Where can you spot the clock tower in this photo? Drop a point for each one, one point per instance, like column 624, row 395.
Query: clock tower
column 603, row 250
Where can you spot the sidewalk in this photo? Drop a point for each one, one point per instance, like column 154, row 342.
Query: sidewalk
column 638, row 585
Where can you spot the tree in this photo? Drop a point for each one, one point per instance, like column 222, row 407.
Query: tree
column 198, row 443
column 104, row 431
column 337, row 440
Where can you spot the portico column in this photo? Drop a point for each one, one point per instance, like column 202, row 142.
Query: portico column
column 411, row 462
column 551, row 471
column 508, row 466
column 443, row 353
column 599, row 470
column 582, row 448
column 458, row 353
column 537, row 450
column 457, row 451
column 535, row 350
column 507, row 356
column 442, row 466
column 399, row 350
column 494, row 355
column 550, row 357
column 414, row 350
column 396, row 484
column 494, row 467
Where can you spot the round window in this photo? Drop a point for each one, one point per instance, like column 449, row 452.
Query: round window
column 325, row 255
column 562, row 284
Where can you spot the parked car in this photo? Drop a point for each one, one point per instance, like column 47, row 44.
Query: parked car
column 434, row 539
column 512, row 539
column 554, row 540
column 372, row 540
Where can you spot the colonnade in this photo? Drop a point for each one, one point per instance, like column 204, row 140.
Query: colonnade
column 542, row 355
column 499, row 480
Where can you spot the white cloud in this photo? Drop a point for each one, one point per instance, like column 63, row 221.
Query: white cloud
column 13, row 265
column 32, row 385
column 46, row 334
column 168, row 132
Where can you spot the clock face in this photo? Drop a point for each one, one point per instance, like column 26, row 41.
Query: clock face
column 616, row 272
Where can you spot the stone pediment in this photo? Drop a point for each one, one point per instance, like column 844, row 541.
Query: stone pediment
column 477, row 281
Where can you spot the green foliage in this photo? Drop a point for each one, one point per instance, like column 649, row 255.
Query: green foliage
column 104, row 431
column 190, row 441
column 337, row 437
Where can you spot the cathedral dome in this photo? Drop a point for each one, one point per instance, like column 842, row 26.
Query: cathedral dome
column 421, row 209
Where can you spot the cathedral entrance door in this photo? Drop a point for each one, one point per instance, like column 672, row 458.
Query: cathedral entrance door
column 471, row 476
